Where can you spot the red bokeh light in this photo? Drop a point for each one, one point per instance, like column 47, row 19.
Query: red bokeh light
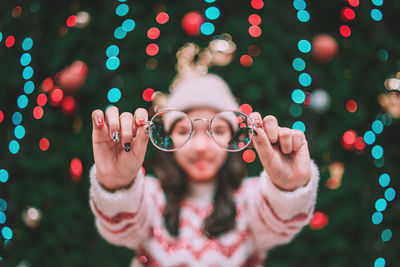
column 351, row 106
column 360, row 143
column 71, row 21
column 1, row 116
column 257, row 4
column 162, row 18
column 16, row 12
column 354, row 3
column 308, row 99
column 246, row 61
column 47, row 85
column 56, row 96
column 349, row 139
column 319, row 220
column 345, row 31
column 41, row 99
column 38, row 112
column 144, row 171
column 254, row 19
column 76, row 169
column 254, row 31
column 10, row 41
column 246, row 109
column 153, row 33
column 152, row 49
column 68, row 105
column 44, row 144
column 348, row 13
column 148, row 94
column 249, row 155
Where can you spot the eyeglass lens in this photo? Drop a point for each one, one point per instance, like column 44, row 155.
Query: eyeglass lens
column 171, row 130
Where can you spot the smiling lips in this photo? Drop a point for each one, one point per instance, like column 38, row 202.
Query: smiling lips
column 201, row 163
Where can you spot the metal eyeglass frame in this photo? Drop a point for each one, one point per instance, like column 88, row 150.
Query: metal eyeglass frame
column 209, row 132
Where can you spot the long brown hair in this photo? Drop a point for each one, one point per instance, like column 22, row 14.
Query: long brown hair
column 174, row 182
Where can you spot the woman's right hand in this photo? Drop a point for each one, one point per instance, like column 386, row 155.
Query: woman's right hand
column 119, row 146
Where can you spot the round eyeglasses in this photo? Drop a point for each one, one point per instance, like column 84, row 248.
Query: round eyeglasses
column 170, row 130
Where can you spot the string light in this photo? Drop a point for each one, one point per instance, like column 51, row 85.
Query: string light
column 376, row 13
column 211, row 13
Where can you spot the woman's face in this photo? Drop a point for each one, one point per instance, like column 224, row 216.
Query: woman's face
column 201, row 158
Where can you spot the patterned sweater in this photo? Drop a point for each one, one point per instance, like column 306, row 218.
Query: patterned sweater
column 266, row 217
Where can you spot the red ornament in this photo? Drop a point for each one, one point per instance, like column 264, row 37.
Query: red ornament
column 319, row 220
column 76, row 169
column 72, row 78
column 325, row 48
column 68, row 105
column 192, row 22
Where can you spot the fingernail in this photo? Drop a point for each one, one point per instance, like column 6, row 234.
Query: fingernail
column 100, row 122
column 257, row 123
column 141, row 121
column 127, row 147
column 116, row 137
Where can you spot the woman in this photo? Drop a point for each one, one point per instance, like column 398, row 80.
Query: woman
column 199, row 212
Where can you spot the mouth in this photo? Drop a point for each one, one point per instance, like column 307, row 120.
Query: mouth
column 201, row 163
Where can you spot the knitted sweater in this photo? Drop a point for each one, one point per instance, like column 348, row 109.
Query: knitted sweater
column 266, row 217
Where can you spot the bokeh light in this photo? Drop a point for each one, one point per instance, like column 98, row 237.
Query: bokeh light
column 119, row 33
column 112, row 63
column 360, row 143
column 246, row 61
column 25, row 59
column 377, row 217
column 303, row 15
column 304, row 46
column 212, row 13
column 13, row 147
column 384, row 179
column 299, row 125
column 128, row 25
column 22, row 101
column 27, row 73
column 3, row 175
column 354, row 3
column 380, row 204
column 148, row 94
column 299, row 4
column 255, row 31
column 249, row 156
column 390, row 194
column 305, row 79
column 3, row 203
column 44, row 144
column 42, row 99
column 348, row 13
column 19, row 132
column 47, row 85
column 56, row 96
column 348, row 139
column 7, row 232
column 377, row 126
column 207, row 28
column 351, row 106
column 68, row 105
column 246, row 109
column 152, row 49
column 153, row 33
column 71, row 21
column 122, row 10
column 379, row 262
column 38, row 112
column 114, row 95
column 112, row 51
column 16, row 118
column 162, row 18
column 319, row 220
column 298, row 96
column 299, row 64
column 386, row 235
column 10, row 41
column 76, row 169
column 376, row 14
column 27, row 44
column 29, row 87
column 257, row 4
column 1, row 116
column 254, row 19
column 295, row 110
column 345, row 31
column 369, row 137
column 377, row 152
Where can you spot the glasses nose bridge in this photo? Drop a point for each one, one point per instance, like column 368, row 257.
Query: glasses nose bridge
column 206, row 121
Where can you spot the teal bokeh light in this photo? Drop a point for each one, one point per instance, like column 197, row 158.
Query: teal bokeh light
column 207, row 28
column 305, row 79
column 16, row 118
column 13, row 146
column 380, row 204
column 212, row 13
column 377, row 126
column 128, row 25
column 377, row 2
column 377, row 152
column 2, row 217
column 299, row 64
column 384, row 179
column 299, row 125
column 3, row 175
column 19, row 131
column 298, row 96
column 27, row 73
column 119, row 33
column 112, row 63
column 390, row 194
column 386, row 235
column 304, row 46
column 25, row 59
column 303, row 15
column 3, row 205
column 122, row 10
column 369, row 137
column 114, row 95
column 27, row 44
column 377, row 217
column 299, row 4
column 112, row 51
column 7, row 233
column 376, row 14
column 379, row 262
column 29, row 87
column 22, row 101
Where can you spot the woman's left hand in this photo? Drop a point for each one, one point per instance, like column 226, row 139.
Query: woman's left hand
column 283, row 153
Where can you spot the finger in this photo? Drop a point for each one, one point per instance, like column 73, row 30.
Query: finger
column 261, row 142
column 285, row 140
column 271, row 128
column 141, row 139
column 112, row 117
column 298, row 139
column 126, row 122
column 100, row 130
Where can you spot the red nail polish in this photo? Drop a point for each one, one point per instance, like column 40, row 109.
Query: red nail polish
column 141, row 121
column 100, row 122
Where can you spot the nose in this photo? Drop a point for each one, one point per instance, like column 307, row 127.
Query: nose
column 201, row 141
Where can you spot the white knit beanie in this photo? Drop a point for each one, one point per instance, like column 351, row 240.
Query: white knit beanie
column 207, row 90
